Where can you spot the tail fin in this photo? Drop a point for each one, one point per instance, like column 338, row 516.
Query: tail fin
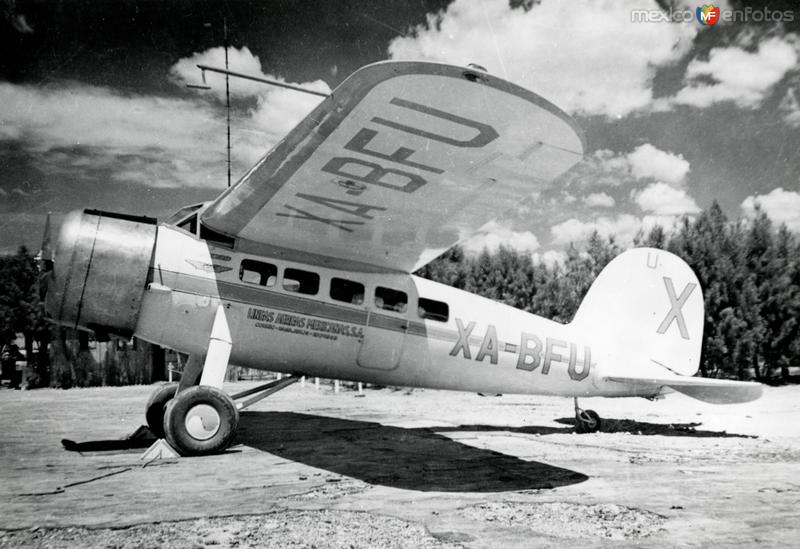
column 645, row 310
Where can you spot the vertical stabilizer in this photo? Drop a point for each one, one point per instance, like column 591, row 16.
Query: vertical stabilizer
column 645, row 311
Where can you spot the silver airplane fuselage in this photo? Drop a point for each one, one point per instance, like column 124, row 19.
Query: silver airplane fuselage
column 130, row 276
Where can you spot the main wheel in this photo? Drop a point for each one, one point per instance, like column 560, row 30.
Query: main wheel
column 587, row 421
column 154, row 411
column 200, row 420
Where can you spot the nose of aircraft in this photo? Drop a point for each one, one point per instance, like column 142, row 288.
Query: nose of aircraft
column 101, row 267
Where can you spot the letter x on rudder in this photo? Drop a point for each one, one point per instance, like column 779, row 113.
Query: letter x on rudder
column 676, row 304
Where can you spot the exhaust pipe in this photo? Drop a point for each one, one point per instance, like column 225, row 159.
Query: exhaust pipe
column 100, row 271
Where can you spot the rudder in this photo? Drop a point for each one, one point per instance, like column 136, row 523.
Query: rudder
column 645, row 310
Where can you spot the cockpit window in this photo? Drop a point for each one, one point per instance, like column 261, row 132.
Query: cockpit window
column 180, row 216
column 189, row 224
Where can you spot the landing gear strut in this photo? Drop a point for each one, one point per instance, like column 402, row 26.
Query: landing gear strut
column 586, row 421
column 197, row 417
column 201, row 420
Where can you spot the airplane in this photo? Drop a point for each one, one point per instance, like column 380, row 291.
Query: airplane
column 304, row 265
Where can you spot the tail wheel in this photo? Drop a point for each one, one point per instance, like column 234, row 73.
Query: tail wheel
column 587, row 421
column 200, row 420
column 154, row 411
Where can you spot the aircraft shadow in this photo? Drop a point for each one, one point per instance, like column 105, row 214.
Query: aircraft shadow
column 140, row 438
column 105, row 445
column 634, row 427
column 412, row 459
column 608, row 426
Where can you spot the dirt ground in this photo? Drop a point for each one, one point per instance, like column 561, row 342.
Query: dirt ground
column 393, row 468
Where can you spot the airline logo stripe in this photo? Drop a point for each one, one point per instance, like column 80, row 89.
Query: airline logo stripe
column 255, row 296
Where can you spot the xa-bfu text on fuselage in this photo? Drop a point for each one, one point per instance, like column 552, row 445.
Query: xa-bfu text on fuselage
column 531, row 352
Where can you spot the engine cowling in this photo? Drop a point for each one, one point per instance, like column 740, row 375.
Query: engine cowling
column 100, row 271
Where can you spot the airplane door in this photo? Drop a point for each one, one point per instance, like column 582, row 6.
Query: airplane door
column 384, row 338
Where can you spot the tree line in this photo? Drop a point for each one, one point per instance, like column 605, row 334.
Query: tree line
column 749, row 271
column 22, row 312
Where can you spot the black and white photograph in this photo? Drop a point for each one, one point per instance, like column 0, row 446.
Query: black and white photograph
column 399, row 274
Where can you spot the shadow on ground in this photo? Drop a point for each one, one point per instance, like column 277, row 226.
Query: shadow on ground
column 412, row 459
column 140, row 438
column 608, row 426
column 643, row 428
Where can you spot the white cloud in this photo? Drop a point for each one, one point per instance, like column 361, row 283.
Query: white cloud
column 723, row 5
column 598, row 171
column 79, row 127
column 88, row 115
column 17, row 20
column 790, row 108
column 277, row 110
column 661, row 199
column 185, row 71
column 586, row 57
column 599, row 200
column 605, row 169
column 737, row 75
column 646, row 179
column 646, row 161
column 243, row 61
column 781, row 206
column 280, row 109
column 550, row 257
column 157, row 141
column 493, row 235
column 574, row 230
column 623, row 228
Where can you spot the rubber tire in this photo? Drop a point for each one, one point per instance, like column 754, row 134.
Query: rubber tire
column 175, row 421
column 156, row 406
column 588, row 421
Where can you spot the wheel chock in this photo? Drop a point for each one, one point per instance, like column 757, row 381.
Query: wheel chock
column 160, row 449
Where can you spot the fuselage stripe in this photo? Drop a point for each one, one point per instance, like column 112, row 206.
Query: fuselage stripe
column 255, row 296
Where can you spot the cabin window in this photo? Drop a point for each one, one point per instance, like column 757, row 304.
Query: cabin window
column 258, row 272
column 433, row 310
column 347, row 291
column 390, row 300
column 302, row 282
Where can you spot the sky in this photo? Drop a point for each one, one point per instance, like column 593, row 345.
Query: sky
column 95, row 112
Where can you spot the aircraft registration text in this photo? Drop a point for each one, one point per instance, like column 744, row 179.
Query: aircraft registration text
column 531, row 352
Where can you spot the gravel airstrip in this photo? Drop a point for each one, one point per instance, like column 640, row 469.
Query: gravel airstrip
column 400, row 468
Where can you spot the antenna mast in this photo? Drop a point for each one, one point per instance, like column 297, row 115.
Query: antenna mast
column 228, row 73
column 227, row 95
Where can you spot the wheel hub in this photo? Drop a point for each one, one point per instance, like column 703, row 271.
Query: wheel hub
column 202, row 422
column 587, row 419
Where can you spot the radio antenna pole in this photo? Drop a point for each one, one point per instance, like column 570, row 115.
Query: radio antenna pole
column 227, row 95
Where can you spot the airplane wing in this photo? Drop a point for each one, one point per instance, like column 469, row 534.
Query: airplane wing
column 402, row 161
column 716, row 391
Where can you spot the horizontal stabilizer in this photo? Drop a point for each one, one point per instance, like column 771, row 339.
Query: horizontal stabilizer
column 716, row 391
